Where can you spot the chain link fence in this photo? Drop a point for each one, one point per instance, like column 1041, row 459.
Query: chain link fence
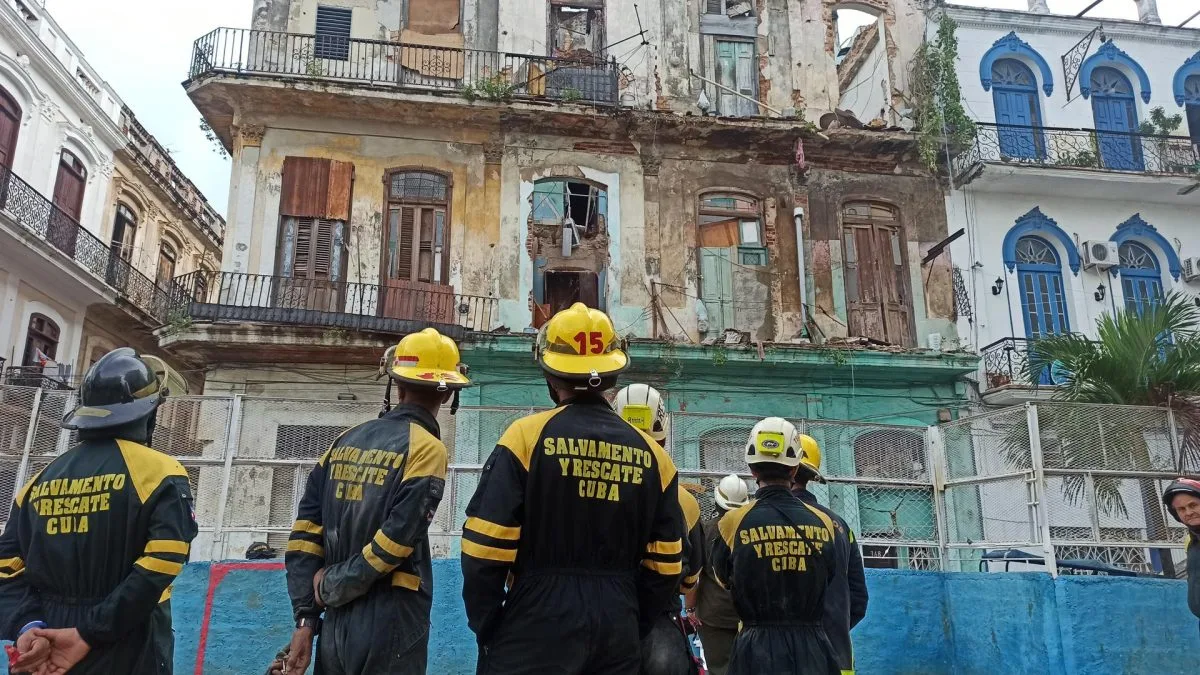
column 1056, row 487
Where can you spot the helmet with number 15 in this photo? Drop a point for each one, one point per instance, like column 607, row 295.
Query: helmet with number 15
column 579, row 345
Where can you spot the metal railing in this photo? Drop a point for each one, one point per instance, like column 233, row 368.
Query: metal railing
column 1005, row 362
column 1069, row 489
column 39, row 216
column 1079, row 148
column 33, row 376
column 496, row 76
column 399, row 307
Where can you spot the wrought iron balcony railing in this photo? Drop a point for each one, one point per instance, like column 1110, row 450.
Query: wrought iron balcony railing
column 1006, row 361
column 1079, row 148
column 33, row 376
column 486, row 75
column 398, row 307
column 41, row 218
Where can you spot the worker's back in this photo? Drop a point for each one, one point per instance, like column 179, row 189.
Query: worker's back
column 776, row 555
column 100, row 533
column 583, row 510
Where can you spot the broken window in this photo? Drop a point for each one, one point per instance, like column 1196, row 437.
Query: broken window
column 728, row 220
column 581, row 205
column 730, row 8
column 577, row 29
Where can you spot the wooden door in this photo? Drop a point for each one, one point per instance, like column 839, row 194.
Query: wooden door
column 310, row 261
column 736, row 70
column 411, row 284
column 716, row 287
column 1116, row 113
column 10, row 125
column 876, row 290
column 63, row 228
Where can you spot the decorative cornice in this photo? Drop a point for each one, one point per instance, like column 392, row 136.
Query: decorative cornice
column 1136, row 227
column 1011, row 45
column 1189, row 67
column 251, row 135
column 1036, row 222
column 493, row 153
column 1004, row 20
column 1109, row 54
column 651, row 163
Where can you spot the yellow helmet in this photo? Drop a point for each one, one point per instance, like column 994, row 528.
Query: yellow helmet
column 580, row 343
column 426, row 359
column 810, row 457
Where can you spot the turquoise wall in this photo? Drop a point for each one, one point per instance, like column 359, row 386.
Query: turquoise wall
column 230, row 618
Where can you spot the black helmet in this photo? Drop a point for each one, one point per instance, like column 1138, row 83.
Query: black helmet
column 120, row 388
column 1180, row 486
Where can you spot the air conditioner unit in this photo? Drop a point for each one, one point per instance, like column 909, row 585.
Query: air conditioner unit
column 1191, row 269
column 1100, row 254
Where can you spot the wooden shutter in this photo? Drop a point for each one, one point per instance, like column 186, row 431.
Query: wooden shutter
column 312, row 187
column 404, row 257
column 715, row 7
column 68, row 191
column 10, row 125
column 425, row 247
column 301, row 260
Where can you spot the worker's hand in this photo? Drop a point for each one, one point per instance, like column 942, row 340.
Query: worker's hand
column 693, row 616
column 317, row 586
column 67, row 649
column 33, row 652
column 299, row 652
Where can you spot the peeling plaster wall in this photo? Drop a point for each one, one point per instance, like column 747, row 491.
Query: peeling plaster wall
column 921, row 206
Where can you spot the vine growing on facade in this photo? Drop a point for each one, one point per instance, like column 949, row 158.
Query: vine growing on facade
column 941, row 120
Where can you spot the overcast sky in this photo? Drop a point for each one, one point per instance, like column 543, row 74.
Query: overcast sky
column 143, row 47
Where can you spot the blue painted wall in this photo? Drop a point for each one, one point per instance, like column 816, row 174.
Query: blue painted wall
column 919, row 623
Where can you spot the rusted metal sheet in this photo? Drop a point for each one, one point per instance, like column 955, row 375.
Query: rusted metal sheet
column 340, row 178
column 305, row 187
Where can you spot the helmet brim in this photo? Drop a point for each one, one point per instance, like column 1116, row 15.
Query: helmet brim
column 113, row 415
column 813, row 474
column 574, row 367
column 430, row 378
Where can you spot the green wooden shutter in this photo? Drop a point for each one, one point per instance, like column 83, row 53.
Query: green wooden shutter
column 717, row 287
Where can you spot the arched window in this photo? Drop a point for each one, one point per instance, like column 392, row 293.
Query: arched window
column 1141, row 277
column 41, row 341
column 69, row 185
column 418, row 227
column 168, row 255
column 1191, row 88
column 10, row 126
column 1043, row 298
column 1115, row 113
column 563, row 213
column 729, row 219
column 876, row 283
column 124, row 231
column 1015, row 97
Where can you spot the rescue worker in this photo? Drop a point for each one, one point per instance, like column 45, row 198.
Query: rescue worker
column 573, row 539
column 1182, row 498
column 667, row 649
column 708, row 604
column 359, row 548
column 777, row 555
column 846, row 597
column 95, row 539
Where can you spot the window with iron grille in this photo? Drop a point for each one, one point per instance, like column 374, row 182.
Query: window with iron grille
column 332, row 40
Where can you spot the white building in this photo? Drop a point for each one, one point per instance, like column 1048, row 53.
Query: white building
column 1071, row 208
column 71, row 286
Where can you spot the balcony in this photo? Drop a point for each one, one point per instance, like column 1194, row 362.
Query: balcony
column 395, row 309
column 32, row 376
column 1006, row 374
column 1087, row 149
column 39, row 217
column 471, row 73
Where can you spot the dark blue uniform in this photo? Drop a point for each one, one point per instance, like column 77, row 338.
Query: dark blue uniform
column 94, row 542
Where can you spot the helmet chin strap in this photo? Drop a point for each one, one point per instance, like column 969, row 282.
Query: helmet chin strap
column 387, row 399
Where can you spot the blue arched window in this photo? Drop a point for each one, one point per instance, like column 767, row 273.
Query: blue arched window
column 1018, row 115
column 1141, row 277
column 1115, row 113
column 1043, row 297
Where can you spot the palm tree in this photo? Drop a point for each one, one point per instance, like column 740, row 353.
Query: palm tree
column 1147, row 358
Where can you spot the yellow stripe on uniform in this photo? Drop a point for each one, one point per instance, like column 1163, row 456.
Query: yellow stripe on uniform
column 308, row 526
column 393, row 549
column 12, row 575
column 301, row 546
column 688, row 582
column 493, row 530
column 166, row 594
column 14, row 563
column 668, row 569
column 158, row 565
column 375, row 561
column 426, row 454
column 167, row 546
column 488, row 552
column 405, row 580
column 665, row 547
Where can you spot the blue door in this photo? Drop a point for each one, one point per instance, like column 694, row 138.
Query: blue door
column 1018, row 118
column 1141, row 278
column 1043, row 299
column 1115, row 113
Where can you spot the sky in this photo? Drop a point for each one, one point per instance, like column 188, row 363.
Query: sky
column 143, row 47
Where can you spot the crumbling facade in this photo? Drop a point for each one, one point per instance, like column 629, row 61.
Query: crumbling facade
column 404, row 164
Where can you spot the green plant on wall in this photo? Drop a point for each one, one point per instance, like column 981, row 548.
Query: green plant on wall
column 495, row 87
column 941, row 119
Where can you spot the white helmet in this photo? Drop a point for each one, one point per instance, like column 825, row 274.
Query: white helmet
column 775, row 440
column 731, row 492
column 641, row 405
